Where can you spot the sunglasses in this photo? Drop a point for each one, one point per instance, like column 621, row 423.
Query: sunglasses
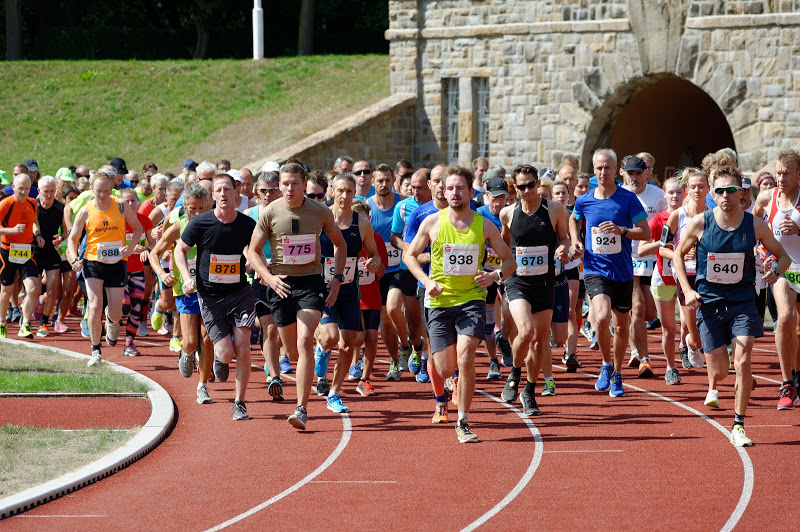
column 268, row 190
column 362, row 172
column 315, row 196
column 81, row 175
column 526, row 186
column 407, row 174
column 730, row 190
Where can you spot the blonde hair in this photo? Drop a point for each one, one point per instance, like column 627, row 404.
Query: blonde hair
column 99, row 176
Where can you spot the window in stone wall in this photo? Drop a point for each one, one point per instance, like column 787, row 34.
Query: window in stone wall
column 450, row 88
column 482, row 92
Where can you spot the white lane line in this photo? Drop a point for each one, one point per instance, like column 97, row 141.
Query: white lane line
column 353, row 482
column 592, row 451
column 526, row 478
column 56, row 516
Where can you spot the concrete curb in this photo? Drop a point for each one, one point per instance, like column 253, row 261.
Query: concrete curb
column 148, row 438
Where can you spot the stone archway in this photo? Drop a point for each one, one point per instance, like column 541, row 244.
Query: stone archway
column 665, row 115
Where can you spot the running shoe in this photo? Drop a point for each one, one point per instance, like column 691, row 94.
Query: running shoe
column 511, row 389
column 494, row 370
column 96, row 359
column 739, row 438
column 37, row 314
column 85, row 329
column 586, row 331
column 275, row 389
column 653, row 325
column 604, row 379
column 553, row 343
column 788, row 397
column 404, row 356
column 449, row 385
column 422, row 376
column 464, row 434
column 186, row 364
column 239, row 411
column 414, row 361
column 175, row 344
column 299, row 419
column 549, row 387
column 394, row 372
column 143, row 330
column 355, row 372
column 60, row 327
column 684, row 352
column 335, row 404
column 365, row 388
column 593, row 342
column 529, row 406
column 320, row 361
column 712, row 399
column 42, row 332
column 25, row 331
column 695, row 355
column 440, row 413
column 645, row 369
column 584, row 309
column 3, row 330
column 286, row 365
column 221, row 370
column 505, row 349
column 672, row 376
column 202, row 395
column 571, row 362
column 156, row 320
column 15, row 314
column 454, row 396
column 131, row 351
column 616, row 389
column 323, row 387
column 634, row 361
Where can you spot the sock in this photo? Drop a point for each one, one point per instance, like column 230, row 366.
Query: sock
column 45, row 319
column 530, row 387
column 738, row 420
column 516, row 372
column 331, row 393
column 790, row 382
column 436, row 380
column 420, row 348
column 547, row 379
column 440, row 398
column 462, row 415
column 96, row 347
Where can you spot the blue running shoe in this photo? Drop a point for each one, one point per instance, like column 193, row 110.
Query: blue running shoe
column 266, row 370
column 616, row 385
column 85, row 329
column 335, row 404
column 422, row 376
column 286, row 365
column 593, row 344
column 604, row 380
column 321, row 361
column 415, row 362
column 355, row 373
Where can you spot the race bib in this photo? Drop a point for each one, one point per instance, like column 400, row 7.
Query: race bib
column 643, row 267
column 666, row 268
column 394, row 256
column 109, row 252
column 460, row 259
column 192, row 263
column 299, row 249
column 558, row 267
column 793, row 276
column 725, row 268
column 19, row 253
column 224, row 269
column 349, row 269
column 531, row 260
column 691, row 267
column 364, row 276
column 493, row 262
column 605, row 243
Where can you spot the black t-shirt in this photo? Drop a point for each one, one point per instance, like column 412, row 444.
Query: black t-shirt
column 220, row 263
column 50, row 222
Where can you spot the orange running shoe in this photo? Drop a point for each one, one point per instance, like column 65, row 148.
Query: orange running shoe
column 440, row 414
column 365, row 388
column 455, row 391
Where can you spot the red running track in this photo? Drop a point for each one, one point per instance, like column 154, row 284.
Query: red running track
column 638, row 462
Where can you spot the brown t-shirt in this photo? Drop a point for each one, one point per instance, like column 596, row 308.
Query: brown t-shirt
column 293, row 236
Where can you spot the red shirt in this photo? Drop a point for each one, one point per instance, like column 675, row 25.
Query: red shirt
column 657, row 223
column 147, row 207
column 134, row 261
column 371, row 293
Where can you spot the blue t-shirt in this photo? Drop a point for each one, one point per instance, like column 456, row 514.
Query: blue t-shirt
column 364, row 198
column 402, row 212
column 710, row 203
column 486, row 213
column 32, row 193
column 624, row 209
column 382, row 224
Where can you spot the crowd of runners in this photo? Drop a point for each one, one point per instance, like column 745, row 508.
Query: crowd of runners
column 432, row 262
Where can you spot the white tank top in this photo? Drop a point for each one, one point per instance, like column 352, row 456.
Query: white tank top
column 683, row 223
column 791, row 243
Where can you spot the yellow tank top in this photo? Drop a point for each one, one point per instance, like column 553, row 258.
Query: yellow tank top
column 105, row 233
column 456, row 258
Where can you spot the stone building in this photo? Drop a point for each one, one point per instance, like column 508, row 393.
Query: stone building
column 528, row 81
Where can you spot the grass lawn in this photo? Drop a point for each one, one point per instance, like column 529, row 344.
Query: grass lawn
column 87, row 112
column 31, row 456
column 27, row 370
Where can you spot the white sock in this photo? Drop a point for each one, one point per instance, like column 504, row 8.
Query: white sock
column 462, row 415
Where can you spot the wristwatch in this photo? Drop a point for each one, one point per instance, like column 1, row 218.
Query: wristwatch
column 624, row 231
column 776, row 270
column 339, row 277
column 499, row 275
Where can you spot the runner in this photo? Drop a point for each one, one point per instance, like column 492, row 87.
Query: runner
column 456, row 290
column 50, row 214
column 19, row 228
column 536, row 230
column 294, row 280
column 725, row 288
column 226, row 302
column 103, row 263
column 609, row 211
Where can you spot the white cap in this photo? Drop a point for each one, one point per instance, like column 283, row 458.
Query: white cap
column 235, row 174
column 271, row 166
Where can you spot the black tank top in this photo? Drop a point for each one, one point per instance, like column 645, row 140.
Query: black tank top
column 529, row 230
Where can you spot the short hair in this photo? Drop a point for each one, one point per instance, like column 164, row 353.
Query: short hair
column 223, row 162
column 176, row 186
column 383, row 167
column 295, row 160
column 269, row 177
column 477, row 161
column 524, row 169
column 729, row 171
column 730, row 153
column 330, row 174
column 66, row 190
column 294, row 168
column 150, row 167
column 403, row 163
column 195, row 190
column 128, row 191
column 559, row 182
column 605, row 151
column 466, row 173
column 21, row 166
column 159, row 179
column 342, row 158
column 206, row 168
column 99, row 176
column 713, row 159
column 47, row 180
column 219, row 176
column 363, row 161
column 361, row 207
column 646, row 157
column 570, row 160
column 785, row 157
column 318, row 178
column 344, row 177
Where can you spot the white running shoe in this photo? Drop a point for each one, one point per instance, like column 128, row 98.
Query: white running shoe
column 712, row 399
column 739, row 438
column 96, row 359
column 695, row 356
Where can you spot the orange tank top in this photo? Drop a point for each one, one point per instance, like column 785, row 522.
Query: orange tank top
column 105, row 233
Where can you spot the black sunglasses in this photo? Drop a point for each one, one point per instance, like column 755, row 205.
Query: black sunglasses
column 362, row 172
column 315, row 196
column 81, row 175
column 730, row 190
column 268, row 190
column 526, row 186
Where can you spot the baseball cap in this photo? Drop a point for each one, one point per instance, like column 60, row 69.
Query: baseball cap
column 65, row 175
column 271, row 166
column 635, row 164
column 31, row 165
column 235, row 174
column 746, row 183
column 489, row 175
column 188, row 162
column 496, row 186
column 4, row 178
column 119, row 165
column 547, row 172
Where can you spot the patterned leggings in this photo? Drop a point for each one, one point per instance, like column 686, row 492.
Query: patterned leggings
column 133, row 303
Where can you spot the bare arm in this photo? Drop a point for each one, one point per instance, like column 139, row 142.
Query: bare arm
column 374, row 262
column 689, row 238
column 161, row 247
column 182, row 263
column 427, row 229
column 575, row 236
column 501, row 249
column 74, row 239
column 339, row 257
column 133, row 221
column 764, row 234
